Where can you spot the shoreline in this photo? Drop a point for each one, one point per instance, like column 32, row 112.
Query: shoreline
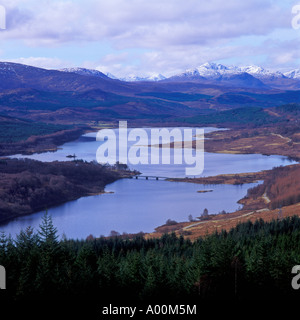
column 239, row 141
column 217, row 223
column 255, row 205
column 40, row 144
column 230, row 178
column 262, row 141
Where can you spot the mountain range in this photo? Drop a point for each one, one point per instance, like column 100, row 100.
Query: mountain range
column 80, row 96
column 208, row 71
column 216, row 71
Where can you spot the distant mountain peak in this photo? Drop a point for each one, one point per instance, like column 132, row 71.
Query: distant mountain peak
column 151, row 77
column 217, row 71
column 213, row 66
column 262, row 73
column 209, row 70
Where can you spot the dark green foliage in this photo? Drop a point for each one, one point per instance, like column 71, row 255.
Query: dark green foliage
column 251, row 261
column 14, row 130
column 251, row 99
column 251, row 116
column 277, row 98
column 290, row 109
column 42, row 100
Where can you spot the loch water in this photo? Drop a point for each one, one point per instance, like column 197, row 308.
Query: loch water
column 134, row 205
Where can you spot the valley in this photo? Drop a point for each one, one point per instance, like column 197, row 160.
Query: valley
column 149, row 156
column 42, row 109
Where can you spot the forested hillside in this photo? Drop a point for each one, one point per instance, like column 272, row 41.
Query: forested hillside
column 28, row 186
column 14, row 129
column 281, row 186
column 251, row 261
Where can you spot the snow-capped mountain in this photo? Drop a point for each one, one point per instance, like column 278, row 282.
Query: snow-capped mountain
column 130, row 78
column 205, row 71
column 293, row 74
column 227, row 75
column 156, row 77
column 216, row 71
column 250, row 76
column 86, row 72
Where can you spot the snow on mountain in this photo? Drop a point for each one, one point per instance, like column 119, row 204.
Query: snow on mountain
column 86, row 72
column 156, row 77
column 190, row 74
column 261, row 73
column 152, row 77
column 207, row 71
column 130, row 78
column 227, row 75
column 210, row 71
column 110, row 75
column 293, row 74
column 214, row 71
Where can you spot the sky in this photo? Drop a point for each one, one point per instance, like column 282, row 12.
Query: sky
column 146, row 37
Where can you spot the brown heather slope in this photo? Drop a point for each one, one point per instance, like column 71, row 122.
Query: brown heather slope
column 194, row 230
column 281, row 187
column 278, row 196
column 268, row 141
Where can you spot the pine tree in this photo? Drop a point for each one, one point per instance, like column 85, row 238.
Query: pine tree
column 26, row 241
column 3, row 246
column 27, row 248
column 132, row 272
column 48, row 233
column 86, row 281
column 48, row 273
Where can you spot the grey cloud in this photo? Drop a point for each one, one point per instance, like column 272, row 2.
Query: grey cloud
column 176, row 34
column 146, row 23
column 15, row 18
